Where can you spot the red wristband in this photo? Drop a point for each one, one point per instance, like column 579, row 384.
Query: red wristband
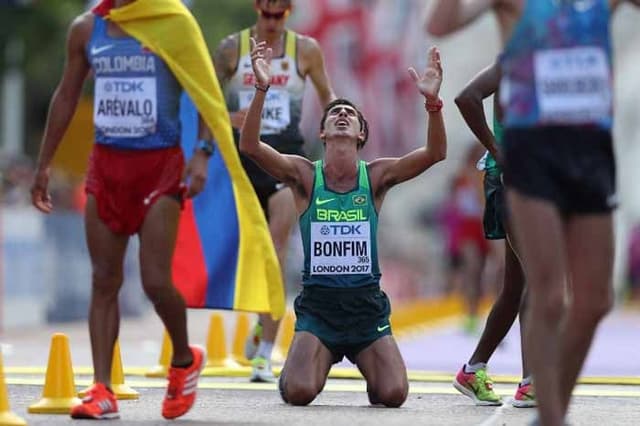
column 433, row 106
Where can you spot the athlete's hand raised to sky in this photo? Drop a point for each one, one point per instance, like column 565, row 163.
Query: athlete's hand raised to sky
column 261, row 61
column 429, row 83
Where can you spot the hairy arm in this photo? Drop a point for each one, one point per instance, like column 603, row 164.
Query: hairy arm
column 285, row 168
column 62, row 107
column 388, row 172
column 447, row 16
column 393, row 171
column 469, row 102
column 317, row 71
column 281, row 166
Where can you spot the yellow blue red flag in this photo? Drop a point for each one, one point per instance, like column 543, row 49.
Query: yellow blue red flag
column 224, row 255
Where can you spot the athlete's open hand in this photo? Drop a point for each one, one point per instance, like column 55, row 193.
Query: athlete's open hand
column 196, row 173
column 40, row 196
column 429, row 83
column 261, row 61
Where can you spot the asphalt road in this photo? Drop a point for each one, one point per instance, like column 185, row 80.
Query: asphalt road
column 432, row 401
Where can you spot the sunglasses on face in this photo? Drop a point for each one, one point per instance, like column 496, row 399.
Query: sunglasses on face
column 277, row 15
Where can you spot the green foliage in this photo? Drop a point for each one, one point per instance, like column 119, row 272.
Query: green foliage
column 219, row 18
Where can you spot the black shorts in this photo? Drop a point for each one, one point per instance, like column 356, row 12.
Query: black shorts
column 572, row 167
column 495, row 207
column 263, row 183
column 346, row 320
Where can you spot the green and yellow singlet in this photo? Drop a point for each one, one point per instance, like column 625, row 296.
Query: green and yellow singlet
column 339, row 234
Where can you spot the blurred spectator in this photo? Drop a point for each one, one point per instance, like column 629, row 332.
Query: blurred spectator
column 17, row 174
column 468, row 247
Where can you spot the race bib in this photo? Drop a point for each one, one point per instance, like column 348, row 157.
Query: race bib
column 125, row 107
column 275, row 113
column 340, row 248
column 573, row 85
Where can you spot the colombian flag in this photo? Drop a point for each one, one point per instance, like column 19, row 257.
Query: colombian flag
column 224, row 255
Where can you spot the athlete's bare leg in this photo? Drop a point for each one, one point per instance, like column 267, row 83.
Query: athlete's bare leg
column 543, row 256
column 494, row 266
column 106, row 250
column 157, row 243
column 383, row 368
column 282, row 218
column 590, row 247
column 306, row 369
column 504, row 310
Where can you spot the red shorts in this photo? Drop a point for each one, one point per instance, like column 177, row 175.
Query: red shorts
column 125, row 183
column 470, row 230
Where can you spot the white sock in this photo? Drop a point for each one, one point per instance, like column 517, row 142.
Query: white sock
column 526, row 381
column 264, row 350
column 474, row 367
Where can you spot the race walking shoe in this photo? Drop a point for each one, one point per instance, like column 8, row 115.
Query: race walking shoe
column 99, row 403
column 181, row 391
column 253, row 341
column 261, row 370
column 477, row 386
column 525, row 396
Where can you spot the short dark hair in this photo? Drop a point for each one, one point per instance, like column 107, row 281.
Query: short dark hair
column 364, row 126
column 285, row 3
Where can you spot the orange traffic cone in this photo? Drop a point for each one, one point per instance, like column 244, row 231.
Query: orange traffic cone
column 118, row 387
column 166, row 352
column 59, row 392
column 217, row 344
column 242, row 332
column 7, row 418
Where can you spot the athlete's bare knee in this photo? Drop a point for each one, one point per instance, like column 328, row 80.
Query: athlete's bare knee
column 390, row 395
column 157, row 287
column 551, row 308
column 106, row 281
column 591, row 309
column 298, row 393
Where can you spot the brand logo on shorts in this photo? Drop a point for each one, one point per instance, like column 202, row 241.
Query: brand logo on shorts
column 383, row 328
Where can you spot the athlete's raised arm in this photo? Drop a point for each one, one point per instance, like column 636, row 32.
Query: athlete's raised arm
column 281, row 166
column 469, row 102
column 386, row 172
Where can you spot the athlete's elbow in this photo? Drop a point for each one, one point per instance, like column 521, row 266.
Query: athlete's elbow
column 247, row 146
column 437, row 27
column 466, row 99
column 439, row 154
